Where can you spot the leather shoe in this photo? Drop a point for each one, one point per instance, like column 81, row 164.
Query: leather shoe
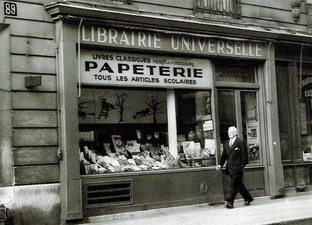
column 247, row 202
column 229, row 205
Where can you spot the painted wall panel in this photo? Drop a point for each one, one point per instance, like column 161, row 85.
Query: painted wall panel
column 34, row 118
column 32, row 46
column 37, row 174
column 48, row 82
column 35, row 156
column 33, row 64
column 33, row 100
column 35, row 137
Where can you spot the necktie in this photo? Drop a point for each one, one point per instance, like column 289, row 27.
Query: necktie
column 231, row 142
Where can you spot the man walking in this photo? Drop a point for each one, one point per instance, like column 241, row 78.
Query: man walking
column 235, row 153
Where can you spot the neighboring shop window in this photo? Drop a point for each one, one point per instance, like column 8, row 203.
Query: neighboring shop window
column 124, row 130
column 195, row 128
column 305, row 112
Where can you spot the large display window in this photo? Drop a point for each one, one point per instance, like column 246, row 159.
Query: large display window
column 124, row 130
column 305, row 112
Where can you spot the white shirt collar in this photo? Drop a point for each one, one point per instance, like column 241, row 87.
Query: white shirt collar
column 232, row 140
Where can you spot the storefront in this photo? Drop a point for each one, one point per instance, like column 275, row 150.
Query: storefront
column 293, row 72
column 153, row 111
column 145, row 111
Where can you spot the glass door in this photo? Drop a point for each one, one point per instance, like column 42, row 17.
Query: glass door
column 239, row 108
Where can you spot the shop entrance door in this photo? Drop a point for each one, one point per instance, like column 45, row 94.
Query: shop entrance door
column 239, row 108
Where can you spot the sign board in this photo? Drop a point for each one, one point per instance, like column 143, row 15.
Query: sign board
column 173, row 43
column 140, row 70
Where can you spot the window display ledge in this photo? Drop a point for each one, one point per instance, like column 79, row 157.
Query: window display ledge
column 124, row 174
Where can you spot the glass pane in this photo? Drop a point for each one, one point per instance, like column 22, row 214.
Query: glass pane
column 284, row 110
column 251, row 129
column 123, row 130
column 227, row 112
column 195, row 128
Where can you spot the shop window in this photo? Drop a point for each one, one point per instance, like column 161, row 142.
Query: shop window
column 124, row 130
column 305, row 112
column 195, row 128
column 219, row 7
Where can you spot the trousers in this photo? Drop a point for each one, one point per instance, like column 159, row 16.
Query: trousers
column 237, row 186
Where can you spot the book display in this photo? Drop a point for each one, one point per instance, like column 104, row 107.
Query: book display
column 127, row 130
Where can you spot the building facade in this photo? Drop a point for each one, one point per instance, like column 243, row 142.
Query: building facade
column 120, row 106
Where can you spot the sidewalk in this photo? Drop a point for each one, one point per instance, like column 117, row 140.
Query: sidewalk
column 289, row 210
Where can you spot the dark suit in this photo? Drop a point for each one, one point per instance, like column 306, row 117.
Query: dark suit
column 237, row 158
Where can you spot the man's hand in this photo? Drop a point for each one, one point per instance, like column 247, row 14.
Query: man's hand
column 218, row 167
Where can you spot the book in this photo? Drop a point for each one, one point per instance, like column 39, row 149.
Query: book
column 119, row 145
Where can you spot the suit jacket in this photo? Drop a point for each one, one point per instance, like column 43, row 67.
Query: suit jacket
column 236, row 156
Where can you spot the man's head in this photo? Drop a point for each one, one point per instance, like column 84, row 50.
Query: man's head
column 232, row 132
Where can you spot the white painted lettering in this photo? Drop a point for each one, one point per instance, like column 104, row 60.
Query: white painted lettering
column 141, row 39
column 250, row 50
column 258, row 50
column 132, row 38
column 221, row 47
column 238, row 48
column 84, row 34
column 201, row 44
column 245, row 52
column 124, row 39
column 229, row 47
column 92, row 33
column 157, row 41
column 211, row 46
column 112, row 36
column 101, row 35
column 174, row 43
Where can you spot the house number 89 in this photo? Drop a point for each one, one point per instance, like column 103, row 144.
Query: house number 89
column 10, row 9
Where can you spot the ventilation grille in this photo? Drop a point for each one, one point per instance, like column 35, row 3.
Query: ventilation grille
column 109, row 193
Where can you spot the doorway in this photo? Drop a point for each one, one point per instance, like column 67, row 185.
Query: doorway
column 239, row 108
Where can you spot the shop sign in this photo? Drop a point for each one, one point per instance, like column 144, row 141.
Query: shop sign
column 242, row 74
column 113, row 68
column 306, row 87
column 172, row 43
